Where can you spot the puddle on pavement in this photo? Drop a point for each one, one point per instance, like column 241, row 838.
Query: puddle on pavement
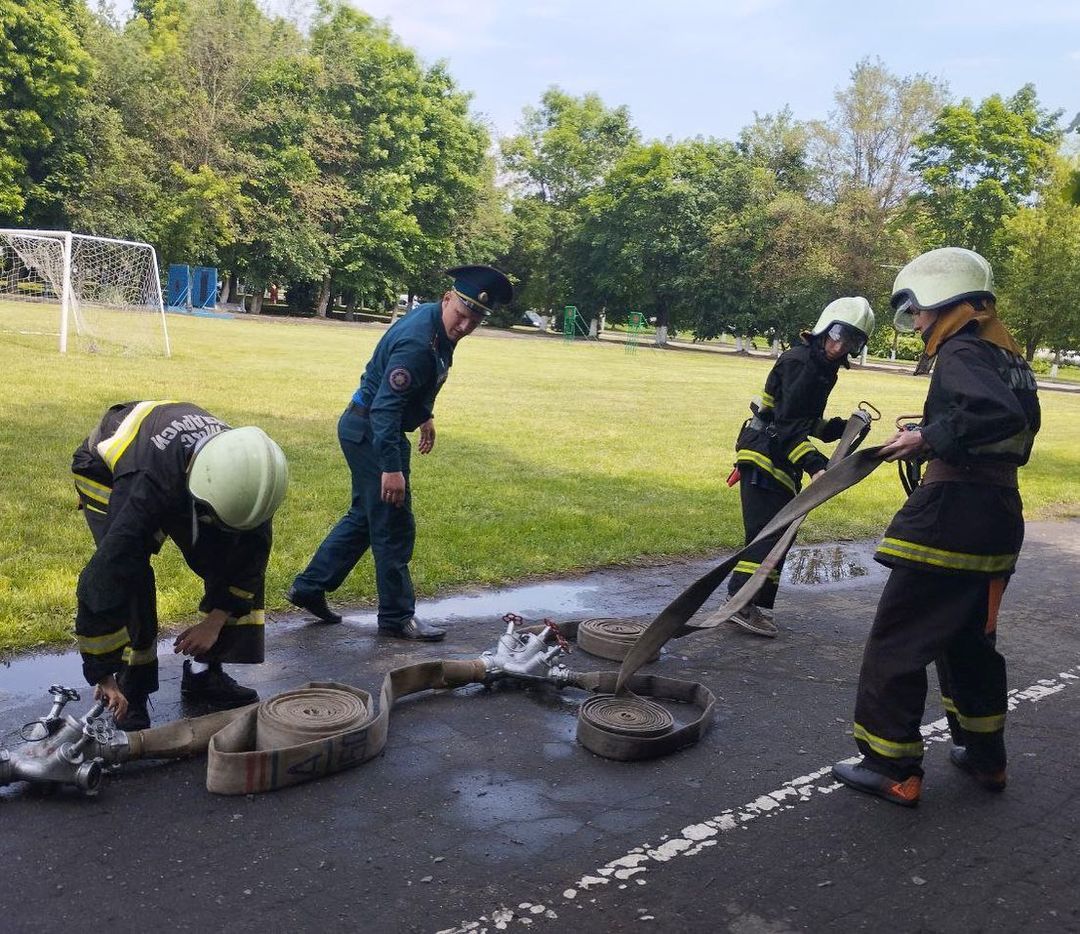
column 822, row 565
column 532, row 600
column 829, row 565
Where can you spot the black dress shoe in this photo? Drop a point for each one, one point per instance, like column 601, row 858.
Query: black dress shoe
column 414, row 629
column 993, row 780
column 905, row 793
column 313, row 603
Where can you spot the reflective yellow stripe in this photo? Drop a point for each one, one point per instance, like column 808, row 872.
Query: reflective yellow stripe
column 749, row 567
column 886, row 747
column 92, row 489
column 800, row 451
column 939, row 557
column 760, row 460
column 991, row 724
column 140, row 656
column 110, row 449
column 767, row 400
column 243, row 594
column 254, row 618
column 103, row 645
column 100, row 512
column 994, row 723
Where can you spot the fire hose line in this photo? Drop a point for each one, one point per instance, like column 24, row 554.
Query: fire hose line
column 326, row 727
column 673, row 620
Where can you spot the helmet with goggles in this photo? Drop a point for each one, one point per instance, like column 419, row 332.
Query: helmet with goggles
column 848, row 320
column 938, row 279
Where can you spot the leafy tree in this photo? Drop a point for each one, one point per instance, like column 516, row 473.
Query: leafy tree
column 644, row 242
column 867, row 143
column 565, row 149
column 980, row 164
column 781, row 144
column 43, row 75
column 1040, row 270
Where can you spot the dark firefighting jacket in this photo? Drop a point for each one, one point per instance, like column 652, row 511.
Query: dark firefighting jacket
column 777, row 440
column 132, row 470
column 980, row 420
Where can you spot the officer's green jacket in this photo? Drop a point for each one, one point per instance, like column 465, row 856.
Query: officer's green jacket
column 406, row 372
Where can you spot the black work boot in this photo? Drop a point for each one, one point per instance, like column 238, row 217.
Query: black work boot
column 414, row 629
column 313, row 602
column 991, row 780
column 905, row 792
column 137, row 716
column 215, row 688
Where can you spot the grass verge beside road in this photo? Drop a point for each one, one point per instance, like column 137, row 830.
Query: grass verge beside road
column 550, row 457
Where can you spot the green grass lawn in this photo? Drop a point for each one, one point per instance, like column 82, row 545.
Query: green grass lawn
column 551, row 456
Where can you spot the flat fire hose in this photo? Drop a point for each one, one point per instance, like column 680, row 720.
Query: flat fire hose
column 326, row 727
column 673, row 620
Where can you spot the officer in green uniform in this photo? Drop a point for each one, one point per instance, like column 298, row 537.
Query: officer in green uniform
column 396, row 395
column 954, row 544
column 156, row 470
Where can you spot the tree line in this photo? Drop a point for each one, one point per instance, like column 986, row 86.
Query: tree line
column 330, row 159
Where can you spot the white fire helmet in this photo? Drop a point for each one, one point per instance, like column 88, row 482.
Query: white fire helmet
column 849, row 320
column 938, row 279
column 241, row 475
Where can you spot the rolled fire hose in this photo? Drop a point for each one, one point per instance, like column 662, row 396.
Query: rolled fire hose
column 326, row 727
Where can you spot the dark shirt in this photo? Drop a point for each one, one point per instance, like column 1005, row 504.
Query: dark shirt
column 408, row 368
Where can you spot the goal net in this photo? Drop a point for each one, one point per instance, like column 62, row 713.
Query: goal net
column 98, row 294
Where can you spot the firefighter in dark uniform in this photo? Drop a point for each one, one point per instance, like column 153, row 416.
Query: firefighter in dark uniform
column 156, row 470
column 954, row 544
column 774, row 449
column 396, row 395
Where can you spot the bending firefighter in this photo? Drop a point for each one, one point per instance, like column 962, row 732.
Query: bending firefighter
column 156, row 470
column 774, row 449
column 954, row 544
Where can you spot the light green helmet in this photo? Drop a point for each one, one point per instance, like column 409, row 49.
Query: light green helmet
column 938, row 279
column 240, row 474
column 854, row 316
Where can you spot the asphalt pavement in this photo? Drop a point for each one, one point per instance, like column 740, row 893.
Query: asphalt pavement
column 484, row 813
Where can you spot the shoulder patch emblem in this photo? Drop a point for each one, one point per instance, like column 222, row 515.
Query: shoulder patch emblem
column 400, row 379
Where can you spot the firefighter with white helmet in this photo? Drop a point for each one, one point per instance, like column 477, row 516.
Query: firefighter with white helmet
column 954, row 544
column 774, row 449
column 156, row 470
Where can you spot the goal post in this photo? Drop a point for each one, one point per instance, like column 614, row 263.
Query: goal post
column 106, row 291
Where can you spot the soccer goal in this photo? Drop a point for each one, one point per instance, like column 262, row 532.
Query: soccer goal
column 103, row 293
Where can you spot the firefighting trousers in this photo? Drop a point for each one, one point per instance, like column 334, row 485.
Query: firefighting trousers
column 948, row 619
column 759, row 505
column 124, row 642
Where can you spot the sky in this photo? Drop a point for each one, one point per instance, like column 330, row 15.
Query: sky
column 688, row 68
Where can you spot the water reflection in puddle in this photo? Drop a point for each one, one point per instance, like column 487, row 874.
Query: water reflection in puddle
column 831, row 564
column 532, row 600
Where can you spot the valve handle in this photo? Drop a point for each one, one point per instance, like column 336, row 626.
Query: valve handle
column 559, row 637
column 59, row 692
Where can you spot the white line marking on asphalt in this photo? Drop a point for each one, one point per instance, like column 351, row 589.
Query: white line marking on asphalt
column 693, row 839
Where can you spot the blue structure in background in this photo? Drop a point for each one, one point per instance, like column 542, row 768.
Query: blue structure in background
column 178, row 288
column 204, row 287
column 193, row 290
